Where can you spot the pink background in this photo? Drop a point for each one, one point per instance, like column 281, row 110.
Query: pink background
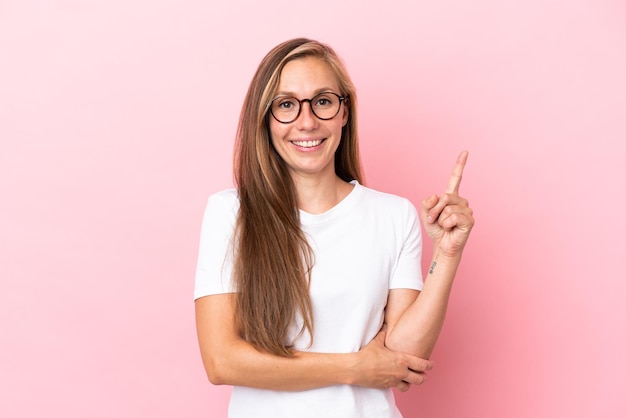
column 117, row 120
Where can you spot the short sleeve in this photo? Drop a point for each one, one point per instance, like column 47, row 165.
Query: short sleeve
column 214, row 267
column 408, row 271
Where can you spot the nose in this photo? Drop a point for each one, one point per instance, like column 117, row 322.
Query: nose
column 307, row 120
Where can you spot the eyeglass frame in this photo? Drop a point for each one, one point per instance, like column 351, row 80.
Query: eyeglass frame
column 341, row 100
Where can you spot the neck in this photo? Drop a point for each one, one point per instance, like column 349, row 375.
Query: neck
column 318, row 194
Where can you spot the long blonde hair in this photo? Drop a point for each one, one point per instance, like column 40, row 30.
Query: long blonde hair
column 272, row 259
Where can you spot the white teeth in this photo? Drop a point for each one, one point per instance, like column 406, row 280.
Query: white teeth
column 307, row 144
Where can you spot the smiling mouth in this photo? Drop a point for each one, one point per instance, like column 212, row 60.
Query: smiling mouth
column 307, row 144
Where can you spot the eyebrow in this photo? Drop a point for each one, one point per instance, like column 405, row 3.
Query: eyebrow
column 315, row 93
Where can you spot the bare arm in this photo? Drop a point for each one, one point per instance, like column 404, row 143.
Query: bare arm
column 229, row 359
column 416, row 328
column 415, row 319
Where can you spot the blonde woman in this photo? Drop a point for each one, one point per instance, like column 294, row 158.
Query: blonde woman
column 309, row 292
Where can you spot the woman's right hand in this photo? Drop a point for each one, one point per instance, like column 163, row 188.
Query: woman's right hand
column 379, row 367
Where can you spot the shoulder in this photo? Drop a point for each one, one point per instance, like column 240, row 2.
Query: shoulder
column 225, row 199
column 222, row 205
column 225, row 196
column 392, row 210
column 385, row 201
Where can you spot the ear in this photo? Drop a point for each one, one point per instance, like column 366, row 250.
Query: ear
column 346, row 113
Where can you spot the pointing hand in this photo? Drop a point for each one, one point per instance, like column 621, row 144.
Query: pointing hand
column 447, row 218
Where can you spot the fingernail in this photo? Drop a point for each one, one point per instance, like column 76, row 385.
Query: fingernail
column 429, row 219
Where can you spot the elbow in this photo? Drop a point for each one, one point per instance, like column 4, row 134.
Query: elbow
column 216, row 372
column 224, row 363
column 215, row 378
column 393, row 342
column 391, row 339
column 407, row 344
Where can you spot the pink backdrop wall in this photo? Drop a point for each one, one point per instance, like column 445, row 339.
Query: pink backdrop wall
column 117, row 121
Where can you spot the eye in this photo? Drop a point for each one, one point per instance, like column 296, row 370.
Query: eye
column 287, row 103
column 324, row 100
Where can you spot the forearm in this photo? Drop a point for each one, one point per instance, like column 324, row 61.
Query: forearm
column 240, row 364
column 231, row 360
column 418, row 328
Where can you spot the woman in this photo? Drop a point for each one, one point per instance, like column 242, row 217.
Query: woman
column 307, row 282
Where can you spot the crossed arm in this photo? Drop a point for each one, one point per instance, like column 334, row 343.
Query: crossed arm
column 229, row 359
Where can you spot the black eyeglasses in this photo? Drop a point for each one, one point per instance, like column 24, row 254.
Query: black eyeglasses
column 324, row 106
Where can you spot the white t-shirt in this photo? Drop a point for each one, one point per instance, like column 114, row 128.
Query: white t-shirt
column 367, row 244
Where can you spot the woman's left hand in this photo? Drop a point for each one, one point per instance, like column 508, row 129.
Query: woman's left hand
column 447, row 218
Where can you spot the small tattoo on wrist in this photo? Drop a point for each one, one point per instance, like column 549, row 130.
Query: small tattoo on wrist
column 432, row 267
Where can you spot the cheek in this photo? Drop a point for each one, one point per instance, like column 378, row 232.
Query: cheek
column 276, row 131
column 339, row 129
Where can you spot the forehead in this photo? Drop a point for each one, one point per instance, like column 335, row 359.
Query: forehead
column 307, row 76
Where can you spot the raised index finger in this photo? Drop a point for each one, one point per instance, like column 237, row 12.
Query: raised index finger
column 457, row 173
